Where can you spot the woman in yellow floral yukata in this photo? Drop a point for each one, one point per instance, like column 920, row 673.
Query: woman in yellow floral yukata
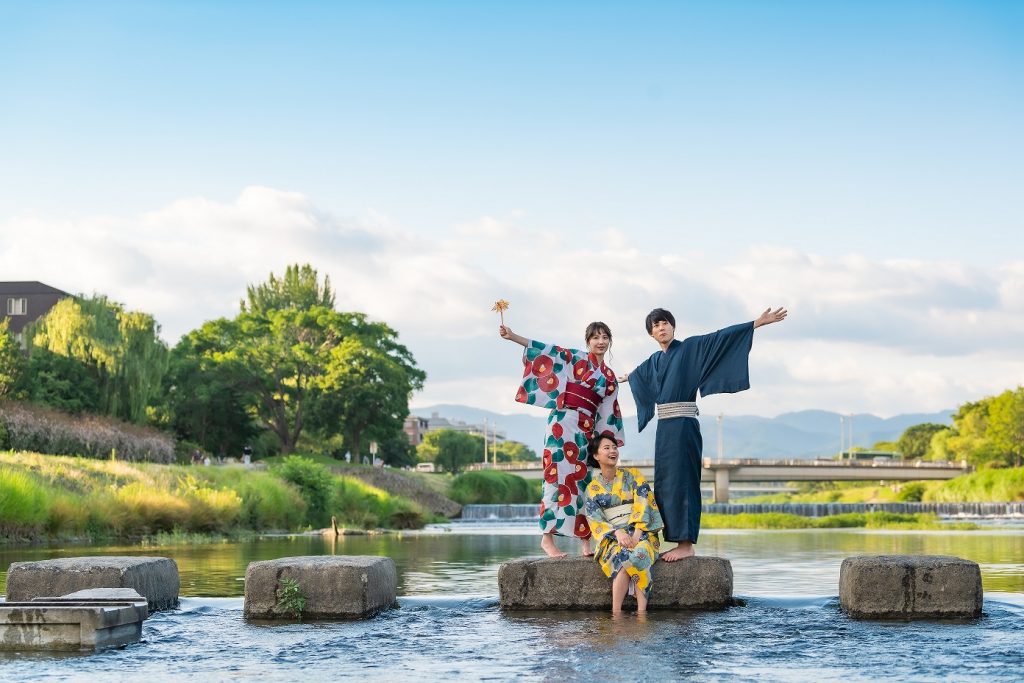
column 624, row 518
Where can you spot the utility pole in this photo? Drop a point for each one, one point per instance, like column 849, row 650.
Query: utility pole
column 842, row 435
column 485, row 440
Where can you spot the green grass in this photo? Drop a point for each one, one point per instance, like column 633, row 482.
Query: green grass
column 864, row 520
column 985, row 486
column 61, row 497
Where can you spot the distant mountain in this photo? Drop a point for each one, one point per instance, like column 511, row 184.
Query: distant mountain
column 803, row 434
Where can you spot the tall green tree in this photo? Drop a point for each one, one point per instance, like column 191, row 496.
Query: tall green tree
column 12, row 362
column 915, row 440
column 301, row 364
column 120, row 349
column 450, row 449
column 300, row 288
column 364, row 393
column 202, row 400
column 1006, row 425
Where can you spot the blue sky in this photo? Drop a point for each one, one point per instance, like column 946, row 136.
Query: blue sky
column 858, row 162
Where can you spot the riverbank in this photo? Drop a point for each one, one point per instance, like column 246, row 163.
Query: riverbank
column 985, row 486
column 47, row 498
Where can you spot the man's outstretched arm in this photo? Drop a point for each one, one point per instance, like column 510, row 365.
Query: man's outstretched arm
column 769, row 316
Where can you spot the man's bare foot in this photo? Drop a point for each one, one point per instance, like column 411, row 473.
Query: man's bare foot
column 588, row 550
column 547, row 544
column 684, row 549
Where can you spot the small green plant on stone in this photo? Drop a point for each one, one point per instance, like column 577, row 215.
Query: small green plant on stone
column 290, row 598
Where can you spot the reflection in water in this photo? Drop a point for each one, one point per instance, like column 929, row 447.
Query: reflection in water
column 449, row 625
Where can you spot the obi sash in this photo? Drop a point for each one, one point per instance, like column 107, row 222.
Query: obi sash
column 581, row 398
column 681, row 409
column 618, row 515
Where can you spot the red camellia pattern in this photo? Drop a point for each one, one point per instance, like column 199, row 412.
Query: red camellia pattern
column 565, row 496
column 572, row 452
column 549, row 383
column 542, row 366
column 582, row 526
column 551, row 473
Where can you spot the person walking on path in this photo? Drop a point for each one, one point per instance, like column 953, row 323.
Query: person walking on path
column 668, row 382
column 581, row 393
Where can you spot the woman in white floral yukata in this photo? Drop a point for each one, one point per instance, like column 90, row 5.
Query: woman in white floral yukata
column 580, row 392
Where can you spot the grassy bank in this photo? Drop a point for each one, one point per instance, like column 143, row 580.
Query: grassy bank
column 985, row 486
column 865, row 520
column 491, row 487
column 58, row 497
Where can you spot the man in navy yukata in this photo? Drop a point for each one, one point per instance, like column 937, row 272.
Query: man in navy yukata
column 668, row 382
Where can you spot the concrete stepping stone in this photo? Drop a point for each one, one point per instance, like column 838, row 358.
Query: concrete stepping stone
column 910, row 587
column 333, row 586
column 549, row 583
column 84, row 620
column 155, row 578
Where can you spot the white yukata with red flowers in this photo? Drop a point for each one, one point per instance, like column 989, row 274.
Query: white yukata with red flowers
column 582, row 397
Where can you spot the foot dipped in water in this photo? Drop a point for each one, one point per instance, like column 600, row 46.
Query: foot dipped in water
column 684, row 549
column 547, row 544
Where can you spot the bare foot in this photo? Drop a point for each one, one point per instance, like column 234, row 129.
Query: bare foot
column 588, row 550
column 684, row 549
column 547, row 544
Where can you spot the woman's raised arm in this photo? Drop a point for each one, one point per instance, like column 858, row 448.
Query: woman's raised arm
column 507, row 333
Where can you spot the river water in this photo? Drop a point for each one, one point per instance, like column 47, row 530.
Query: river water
column 449, row 625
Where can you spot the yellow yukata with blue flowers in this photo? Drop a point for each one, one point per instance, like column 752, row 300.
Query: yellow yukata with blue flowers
column 628, row 488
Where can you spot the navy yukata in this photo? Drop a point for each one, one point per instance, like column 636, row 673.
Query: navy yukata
column 713, row 363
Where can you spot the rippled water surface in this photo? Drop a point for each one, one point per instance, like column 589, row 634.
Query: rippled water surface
column 449, row 626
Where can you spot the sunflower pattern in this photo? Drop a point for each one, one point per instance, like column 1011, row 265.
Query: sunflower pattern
column 547, row 370
column 629, row 486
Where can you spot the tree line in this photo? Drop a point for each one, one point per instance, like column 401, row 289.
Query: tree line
column 986, row 433
column 288, row 372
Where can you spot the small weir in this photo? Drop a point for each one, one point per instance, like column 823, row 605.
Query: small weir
column 529, row 510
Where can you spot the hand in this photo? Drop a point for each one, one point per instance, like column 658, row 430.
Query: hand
column 624, row 539
column 624, row 378
column 636, row 536
column 769, row 316
column 504, row 332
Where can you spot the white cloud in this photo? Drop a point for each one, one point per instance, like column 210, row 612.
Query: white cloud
column 863, row 336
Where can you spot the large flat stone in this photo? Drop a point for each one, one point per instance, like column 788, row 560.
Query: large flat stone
column 910, row 587
column 541, row 583
column 155, row 578
column 335, row 586
column 85, row 620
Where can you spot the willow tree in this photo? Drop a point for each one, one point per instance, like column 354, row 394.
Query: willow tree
column 119, row 349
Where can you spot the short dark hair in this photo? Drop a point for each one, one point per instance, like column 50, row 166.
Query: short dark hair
column 592, row 445
column 659, row 315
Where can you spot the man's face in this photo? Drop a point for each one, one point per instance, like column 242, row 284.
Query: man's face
column 662, row 332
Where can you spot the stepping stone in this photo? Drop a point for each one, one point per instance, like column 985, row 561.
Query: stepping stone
column 910, row 587
column 155, row 578
column 80, row 621
column 547, row 583
column 334, row 586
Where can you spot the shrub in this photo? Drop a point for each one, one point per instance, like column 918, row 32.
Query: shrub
column 314, row 482
column 24, row 505
column 491, row 487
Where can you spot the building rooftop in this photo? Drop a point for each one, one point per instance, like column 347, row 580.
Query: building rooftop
column 32, row 287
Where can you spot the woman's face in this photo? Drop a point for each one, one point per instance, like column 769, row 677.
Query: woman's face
column 607, row 454
column 599, row 343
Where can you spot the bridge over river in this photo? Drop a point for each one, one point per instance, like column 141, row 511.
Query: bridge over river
column 723, row 472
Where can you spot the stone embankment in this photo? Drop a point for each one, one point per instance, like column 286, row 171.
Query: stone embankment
column 330, row 586
column 546, row 583
column 155, row 578
column 910, row 587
